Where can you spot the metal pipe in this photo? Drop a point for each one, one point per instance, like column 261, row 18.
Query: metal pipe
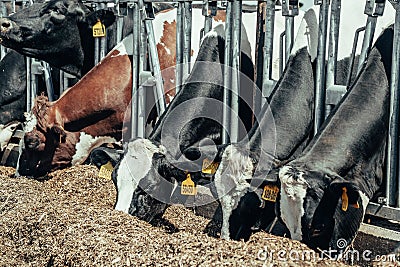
column 320, row 73
column 179, row 46
column 227, row 75
column 281, row 53
column 268, row 49
column 289, row 36
column 187, row 49
column 352, row 56
column 393, row 135
column 103, row 48
column 367, row 41
column 160, row 98
column 207, row 17
column 333, row 42
column 48, row 81
column 28, row 84
column 236, row 53
column 135, row 68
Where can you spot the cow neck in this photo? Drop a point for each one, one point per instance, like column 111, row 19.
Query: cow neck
column 290, row 105
column 357, row 128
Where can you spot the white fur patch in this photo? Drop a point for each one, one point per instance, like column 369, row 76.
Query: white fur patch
column 133, row 167
column 6, row 134
column 292, row 199
column 86, row 144
column 30, row 122
column 307, row 35
column 125, row 47
column 230, row 183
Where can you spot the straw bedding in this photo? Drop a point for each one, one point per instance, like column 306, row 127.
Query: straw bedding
column 69, row 220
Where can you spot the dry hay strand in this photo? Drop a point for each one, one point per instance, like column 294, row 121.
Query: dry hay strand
column 69, row 221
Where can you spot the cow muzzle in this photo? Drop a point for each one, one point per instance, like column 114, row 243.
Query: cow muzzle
column 5, row 25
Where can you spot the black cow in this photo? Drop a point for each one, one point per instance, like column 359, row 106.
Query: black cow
column 194, row 115
column 325, row 191
column 58, row 32
column 289, row 123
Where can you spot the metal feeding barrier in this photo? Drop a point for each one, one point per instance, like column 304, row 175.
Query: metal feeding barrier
column 146, row 72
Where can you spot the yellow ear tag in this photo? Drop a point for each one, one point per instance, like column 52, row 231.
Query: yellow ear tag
column 188, row 187
column 106, row 171
column 270, row 193
column 209, row 167
column 99, row 30
column 345, row 199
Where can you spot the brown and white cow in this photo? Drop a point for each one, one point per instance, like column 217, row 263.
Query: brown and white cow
column 96, row 105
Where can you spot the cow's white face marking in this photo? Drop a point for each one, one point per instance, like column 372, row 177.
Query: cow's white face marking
column 125, row 47
column 86, row 144
column 294, row 190
column 133, row 167
column 29, row 125
column 230, row 183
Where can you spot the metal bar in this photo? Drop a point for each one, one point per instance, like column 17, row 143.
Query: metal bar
column 281, row 53
column 289, row 36
column 268, row 50
column 143, row 48
column 320, row 73
column 352, row 56
column 103, row 48
column 48, row 81
column 207, row 17
column 135, row 68
column 367, row 41
column 393, row 143
column 383, row 211
column 179, row 46
column 333, row 42
column 187, row 49
column 236, row 53
column 227, row 75
column 28, row 85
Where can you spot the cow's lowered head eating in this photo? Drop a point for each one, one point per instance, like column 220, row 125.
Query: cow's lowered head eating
column 325, row 191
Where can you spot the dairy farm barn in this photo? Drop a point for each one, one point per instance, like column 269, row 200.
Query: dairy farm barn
column 199, row 133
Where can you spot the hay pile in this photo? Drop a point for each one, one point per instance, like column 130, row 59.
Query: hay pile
column 69, row 221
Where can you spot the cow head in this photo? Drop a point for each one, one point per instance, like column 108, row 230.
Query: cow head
column 34, row 31
column 319, row 208
column 38, row 148
column 136, row 164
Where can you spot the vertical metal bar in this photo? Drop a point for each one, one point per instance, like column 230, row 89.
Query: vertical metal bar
column 281, row 53
column 352, row 56
column 268, row 50
column 320, row 74
column 289, row 36
column 187, row 50
column 227, row 75
column 333, row 42
column 207, row 17
column 28, row 84
column 48, row 80
column 61, row 82
column 135, row 68
column 143, row 47
column 367, row 41
column 236, row 52
column 179, row 46
column 393, row 142
column 103, row 48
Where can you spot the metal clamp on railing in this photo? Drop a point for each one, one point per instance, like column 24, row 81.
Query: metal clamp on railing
column 373, row 8
column 209, row 11
column 290, row 9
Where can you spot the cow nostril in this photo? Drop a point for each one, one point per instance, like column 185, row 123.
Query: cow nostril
column 5, row 24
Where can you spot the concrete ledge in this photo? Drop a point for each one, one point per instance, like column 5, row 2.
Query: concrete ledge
column 380, row 232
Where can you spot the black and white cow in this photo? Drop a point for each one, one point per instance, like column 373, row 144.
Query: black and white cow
column 325, row 191
column 289, row 123
column 194, row 115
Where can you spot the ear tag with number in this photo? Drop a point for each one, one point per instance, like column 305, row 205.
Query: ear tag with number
column 345, row 199
column 106, row 171
column 99, row 30
column 209, row 167
column 270, row 193
column 188, row 187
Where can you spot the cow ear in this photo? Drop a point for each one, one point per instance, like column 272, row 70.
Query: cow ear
column 348, row 191
column 106, row 17
column 59, row 131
